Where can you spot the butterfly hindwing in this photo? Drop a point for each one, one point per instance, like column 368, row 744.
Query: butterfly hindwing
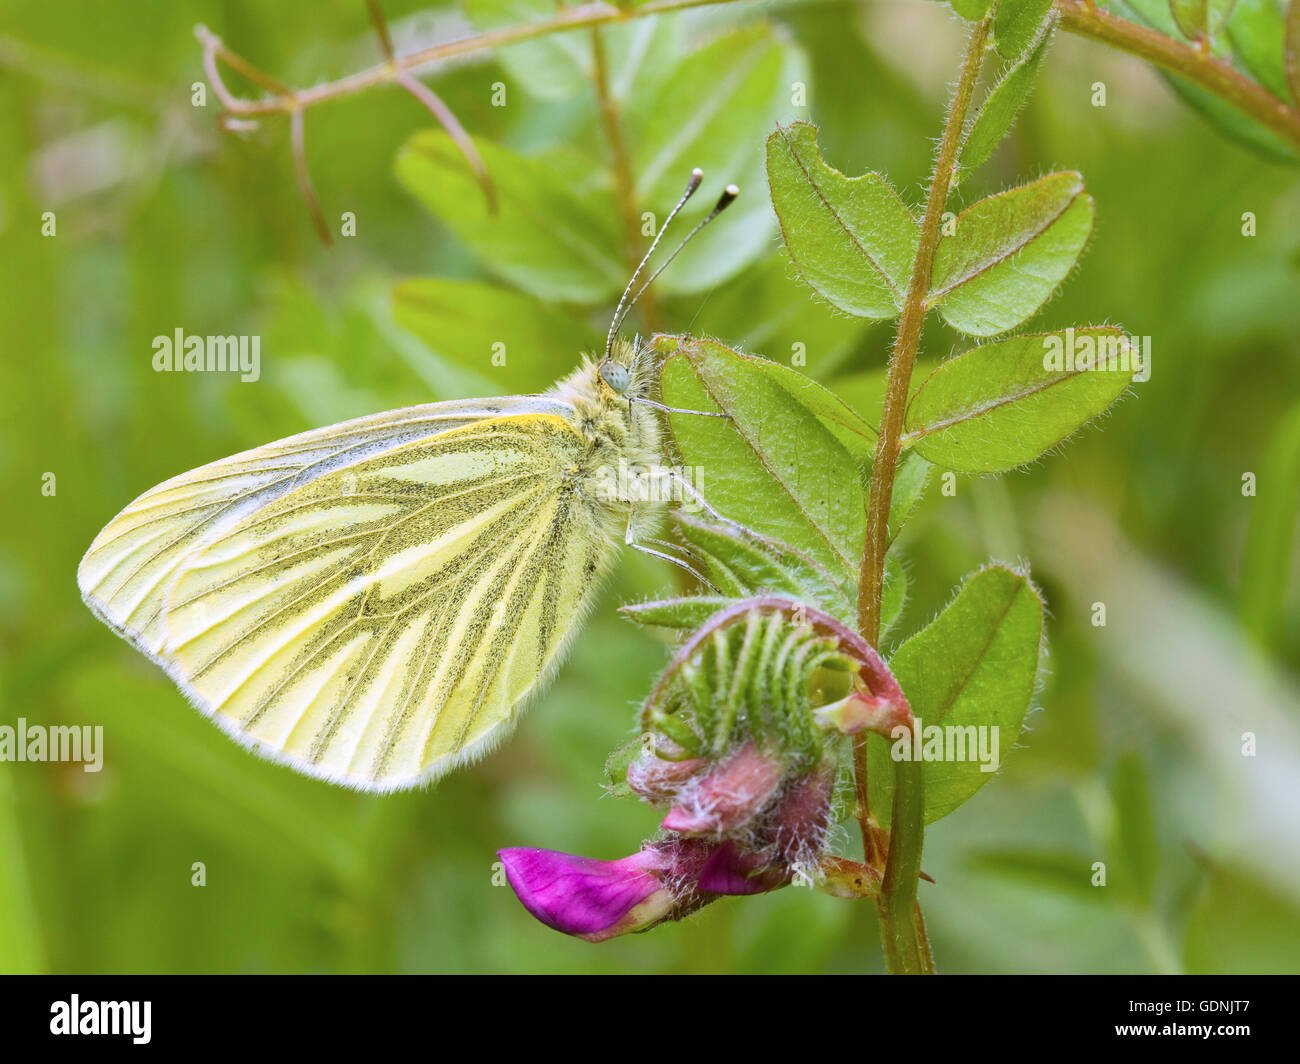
column 384, row 621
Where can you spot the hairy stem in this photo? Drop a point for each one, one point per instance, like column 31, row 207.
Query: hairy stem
column 1185, row 58
column 902, row 930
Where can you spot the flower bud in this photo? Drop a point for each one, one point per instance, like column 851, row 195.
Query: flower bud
column 861, row 712
column 730, row 794
column 657, row 779
column 800, row 819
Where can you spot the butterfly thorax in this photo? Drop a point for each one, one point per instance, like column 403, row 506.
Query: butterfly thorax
column 620, row 437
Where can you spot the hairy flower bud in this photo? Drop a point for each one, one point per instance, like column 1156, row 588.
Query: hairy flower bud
column 727, row 796
column 658, row 780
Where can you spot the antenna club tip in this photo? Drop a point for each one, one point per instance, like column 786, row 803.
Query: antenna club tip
column 728, row 197
column 697, row 175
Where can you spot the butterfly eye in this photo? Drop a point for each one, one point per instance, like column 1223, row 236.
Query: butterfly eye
column 616, row 376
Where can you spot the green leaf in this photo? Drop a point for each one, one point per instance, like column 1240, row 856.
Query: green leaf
column 676, row 128
column 1003, row 404
column 975, row 665
column 21, row 949
column 865, row 391
column 617, row 764
column 546, row 239
column 1256, row 31
column 1001, row 107
column 1196, row 18
column 687, row 613
column 1060, row 872
column 507, row 341
column 1009, row 252
column 1222, row 115
column 972, row 10
column 893, row 595
column 1291, row 49
column 552, row 67
column 559, row 66
column 911, row 478
column 1233, row 123
column 852, row 239
column 1270, row 540
column 1240, row 926
column 766, row 310
column 741, row 565
column 1135, row 833
column 1017, row 24
column 772, row 465
column 857, row 436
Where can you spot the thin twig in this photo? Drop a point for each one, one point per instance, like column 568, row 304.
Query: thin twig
column 459, row 136
column 381, row 30
column 581, row 17
column 435, row 105
column 304, row 177
column 398, row 70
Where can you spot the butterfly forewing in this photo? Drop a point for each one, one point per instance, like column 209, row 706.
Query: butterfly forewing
column 128, row 569
column 385, row 621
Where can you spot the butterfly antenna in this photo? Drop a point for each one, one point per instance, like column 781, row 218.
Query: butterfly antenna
column 624, row 305
column 727, row 198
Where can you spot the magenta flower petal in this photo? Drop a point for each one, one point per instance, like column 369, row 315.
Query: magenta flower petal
column 590, row 899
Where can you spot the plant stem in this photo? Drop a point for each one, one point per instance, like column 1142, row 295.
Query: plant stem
column 901, row 928
column 1180, row 57
column 285, row 99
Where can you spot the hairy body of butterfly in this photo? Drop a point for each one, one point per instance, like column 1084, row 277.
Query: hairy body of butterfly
column 374, row 602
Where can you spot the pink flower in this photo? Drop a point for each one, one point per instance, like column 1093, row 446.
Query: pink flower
column 758, row 829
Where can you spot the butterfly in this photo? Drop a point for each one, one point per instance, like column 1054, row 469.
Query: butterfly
column 374, row 602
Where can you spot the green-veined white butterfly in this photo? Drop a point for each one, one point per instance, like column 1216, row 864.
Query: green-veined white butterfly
column 374, row 602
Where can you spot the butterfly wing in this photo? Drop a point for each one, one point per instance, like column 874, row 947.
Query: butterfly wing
column 132, row 562
column 385, row 622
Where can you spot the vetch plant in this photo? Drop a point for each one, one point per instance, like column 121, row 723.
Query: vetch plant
column 780, row 673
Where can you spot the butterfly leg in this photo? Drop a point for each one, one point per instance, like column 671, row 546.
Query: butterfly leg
column 676, row 409
column 642, row 547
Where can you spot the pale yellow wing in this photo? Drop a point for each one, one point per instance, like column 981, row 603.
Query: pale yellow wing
column 384, row 622
column 126, row 572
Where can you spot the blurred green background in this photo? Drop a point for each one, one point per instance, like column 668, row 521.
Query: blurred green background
column 164, row 221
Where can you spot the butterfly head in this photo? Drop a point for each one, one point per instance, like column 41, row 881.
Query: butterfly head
column 616, row 376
